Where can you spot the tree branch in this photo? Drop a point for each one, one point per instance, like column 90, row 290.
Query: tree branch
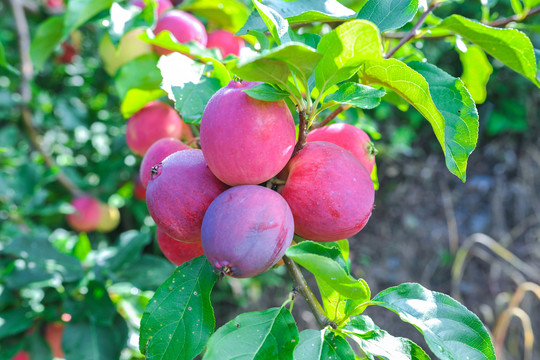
column 303, row 288
column 514, row 18
column 413, row 31
column 301, row 132
column 332, row 116
column 27, row 74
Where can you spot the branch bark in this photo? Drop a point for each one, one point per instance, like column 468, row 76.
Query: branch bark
column 411, row 34
column 332, row 116
column 301, row 132
column 27, row 74
column 302, row 286
column 514, row 18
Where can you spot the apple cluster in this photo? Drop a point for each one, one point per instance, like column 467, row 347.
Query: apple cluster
column 182, row 25
column 221, row 200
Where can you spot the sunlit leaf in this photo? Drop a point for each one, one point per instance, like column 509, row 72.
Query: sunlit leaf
column 388, row 14
column 450, row 329
column 268, row 334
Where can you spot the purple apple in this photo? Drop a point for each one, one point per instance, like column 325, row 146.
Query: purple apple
column 246, row 230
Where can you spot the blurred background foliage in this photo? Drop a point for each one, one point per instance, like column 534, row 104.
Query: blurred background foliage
column 423, row 214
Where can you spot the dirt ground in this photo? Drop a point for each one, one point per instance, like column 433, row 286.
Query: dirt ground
column 423, row 215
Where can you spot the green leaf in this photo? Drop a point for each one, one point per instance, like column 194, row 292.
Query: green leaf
column 450, row 330
column 327, row 265
column 278, row 26
column 148, row 273
column 344, row 247
column 80, row 11
column 511, row 47
column 274, row 66
column 378, row 343
column 388, row 14
column 48, row 35
column 299, row 11
column 344, row 50
column 268, row 334
column 408, row 84
column 89, row 341
column 322, row 345
column 225, row 14
column 191, row 98
column 517, row 6
column 82, row 247
column 127, row 252
column 476, row 71
column 179, row 318
column 266, row 92
column 531, row 3
column 136, row 99
column 98, row 305
column 15, row 321
column 460, row 116
column 140, row 73
column 46, row 260
column 361, row 96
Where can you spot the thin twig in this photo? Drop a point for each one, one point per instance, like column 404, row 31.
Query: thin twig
column 303, row 288
column 27, row 74
column 515, row 18
column 413, row 31
column 301, row 132
column 331, row 117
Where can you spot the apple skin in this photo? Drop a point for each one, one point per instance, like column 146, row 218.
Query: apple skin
column 329, row 191
column 21, row 355
column 350, row 138
column 246, row 230
column 156, row 120
column 226, row 42
column 176, row 251
column 156, row 153
column 53, row 334
column 183, row 26
column 129, row 48
column 87, row 215
column 162, row 5
column 180, row 190
column 246, row 141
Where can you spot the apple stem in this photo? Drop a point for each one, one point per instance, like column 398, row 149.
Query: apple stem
column 332, row 116
column 304, row 289
column 27, row 74
column 301, row 132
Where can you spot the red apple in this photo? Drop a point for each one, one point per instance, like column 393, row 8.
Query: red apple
column 350, row 138
column 183, row 26
column 180, row 190
column 226, row 42
column 244, row 140
column 156, row 153
column 87, row 214
column 155, row 121
column 21, row 355
column 53, row 335
column 176, row 251
column 329, row 191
